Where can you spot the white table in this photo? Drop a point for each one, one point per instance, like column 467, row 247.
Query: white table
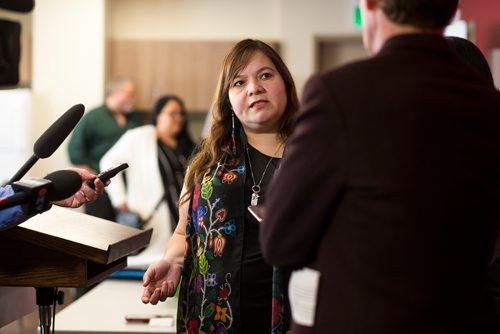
column 103, row 309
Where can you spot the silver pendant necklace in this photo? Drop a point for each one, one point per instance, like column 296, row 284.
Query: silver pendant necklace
column 254, row 200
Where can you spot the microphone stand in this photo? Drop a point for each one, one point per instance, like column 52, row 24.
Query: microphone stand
column 51, row 139
column 45, row 298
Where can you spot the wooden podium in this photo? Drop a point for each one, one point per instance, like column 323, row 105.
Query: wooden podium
column 65, row 248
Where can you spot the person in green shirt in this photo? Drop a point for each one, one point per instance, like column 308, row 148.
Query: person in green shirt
column 98, row 130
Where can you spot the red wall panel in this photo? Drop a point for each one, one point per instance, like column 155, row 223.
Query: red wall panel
column 486, row 16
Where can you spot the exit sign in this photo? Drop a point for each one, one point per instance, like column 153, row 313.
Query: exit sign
column 357, row 16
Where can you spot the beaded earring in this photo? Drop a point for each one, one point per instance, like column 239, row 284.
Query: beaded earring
column 233, row 140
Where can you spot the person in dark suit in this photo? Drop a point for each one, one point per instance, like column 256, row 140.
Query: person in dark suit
column 387, row 200
column 472, row 56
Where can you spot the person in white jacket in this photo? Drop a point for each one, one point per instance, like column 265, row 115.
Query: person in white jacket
column 157, row 155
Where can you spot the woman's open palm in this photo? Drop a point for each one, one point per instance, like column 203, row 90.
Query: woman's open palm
column 160, row 281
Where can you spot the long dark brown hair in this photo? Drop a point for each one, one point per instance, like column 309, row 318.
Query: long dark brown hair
column 185, row 143
column 219, row 136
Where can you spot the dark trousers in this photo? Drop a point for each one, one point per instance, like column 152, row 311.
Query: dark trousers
column 101, row 208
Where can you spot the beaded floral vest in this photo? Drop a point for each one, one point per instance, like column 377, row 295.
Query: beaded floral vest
column 209, row 300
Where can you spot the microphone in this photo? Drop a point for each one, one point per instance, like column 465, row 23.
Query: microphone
column 35, row 194
column 51, row 139
column 64, row 184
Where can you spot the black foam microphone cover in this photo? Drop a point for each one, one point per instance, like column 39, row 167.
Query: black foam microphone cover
column 64, row 184
column 53, row 137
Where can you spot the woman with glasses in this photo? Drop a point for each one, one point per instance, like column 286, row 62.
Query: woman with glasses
column 157, row 154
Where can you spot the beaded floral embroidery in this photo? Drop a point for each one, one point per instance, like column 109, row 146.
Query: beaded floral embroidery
column 208, row 233
column 209, row 294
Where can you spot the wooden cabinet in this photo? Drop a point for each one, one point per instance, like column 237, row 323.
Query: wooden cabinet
column 335, row 51
column 189, row 69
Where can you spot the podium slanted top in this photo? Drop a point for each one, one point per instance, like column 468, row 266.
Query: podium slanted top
column 81, row 235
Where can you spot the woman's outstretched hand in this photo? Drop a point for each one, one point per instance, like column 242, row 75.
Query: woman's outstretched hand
column 160, row 281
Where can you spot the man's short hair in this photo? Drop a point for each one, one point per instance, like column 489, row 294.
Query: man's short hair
column 116, row 84
column 425, row 14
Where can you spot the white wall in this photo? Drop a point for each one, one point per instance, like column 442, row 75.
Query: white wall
column 303, row 21
column 68, row 65
column 194, row 19
column 15, row 118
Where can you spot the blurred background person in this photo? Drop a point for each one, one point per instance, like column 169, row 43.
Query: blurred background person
column 157, row 155
column 472, row 56
column 98, row 130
